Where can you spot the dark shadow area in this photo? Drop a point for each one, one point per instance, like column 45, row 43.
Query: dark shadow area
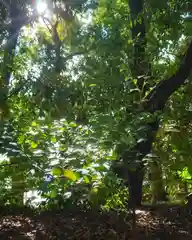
column 153, row 222
column 165, row 221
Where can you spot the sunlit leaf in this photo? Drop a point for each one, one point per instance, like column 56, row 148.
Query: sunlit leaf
column 57, row 171
column 71, row 175
column 73, row 125
column 53, row 139
column 86, row 179
column 33, row 124
column 53, row 193
column 34, row 145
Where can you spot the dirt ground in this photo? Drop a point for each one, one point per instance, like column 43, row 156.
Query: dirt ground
column 160, row 222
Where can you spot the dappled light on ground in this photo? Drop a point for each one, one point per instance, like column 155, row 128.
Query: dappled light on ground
column 159, row 223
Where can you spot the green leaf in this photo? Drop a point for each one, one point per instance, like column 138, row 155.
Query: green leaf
column 86, row 179
column 73, row 125
column 21, row 139
column 172, row 130
column 70, row 174
column 53, row 193
column 113, row 156
column 57, row 171
column 34, row 145
column 33, row 124
column 189, row 172
column 53, row 139
column 134, row 90
column 130, row 41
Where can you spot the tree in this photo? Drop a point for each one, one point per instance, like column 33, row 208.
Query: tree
column 155, row 101
column 98, row 83
column 150, row 101
column 13, row 83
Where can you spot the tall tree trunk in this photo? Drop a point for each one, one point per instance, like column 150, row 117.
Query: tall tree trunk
column 135, row 179
column 135, row 175
column 132, row 161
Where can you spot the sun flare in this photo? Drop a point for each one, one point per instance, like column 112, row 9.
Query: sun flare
column 41, row 6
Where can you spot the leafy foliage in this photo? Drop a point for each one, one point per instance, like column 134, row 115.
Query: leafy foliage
column 71, row 102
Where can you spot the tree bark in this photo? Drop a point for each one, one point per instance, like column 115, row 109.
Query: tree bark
column 135, row 180
column 135, row 174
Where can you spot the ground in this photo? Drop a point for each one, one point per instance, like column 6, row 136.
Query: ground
column 160, row 222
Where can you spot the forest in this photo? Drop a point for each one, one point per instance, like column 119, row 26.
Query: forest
column 95, row 119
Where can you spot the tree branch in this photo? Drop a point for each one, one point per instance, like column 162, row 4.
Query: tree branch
column 155, row 101
column 158, row 97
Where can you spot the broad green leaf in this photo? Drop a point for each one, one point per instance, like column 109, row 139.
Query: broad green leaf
column 34, row 145
column 57, row 171
column 61, row 30
column 86, row 179
column 53, row 193
column 33, row 124
column 53, row 139
column 70, row 174
column 73, row 125
column 21, row 139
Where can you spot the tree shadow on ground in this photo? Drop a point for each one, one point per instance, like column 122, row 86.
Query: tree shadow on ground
column 165, row 222
column 159, row 223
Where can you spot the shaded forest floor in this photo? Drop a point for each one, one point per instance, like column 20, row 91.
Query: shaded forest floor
column 161, row 222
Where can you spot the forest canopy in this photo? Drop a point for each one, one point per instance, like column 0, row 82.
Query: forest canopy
column 95, row 102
